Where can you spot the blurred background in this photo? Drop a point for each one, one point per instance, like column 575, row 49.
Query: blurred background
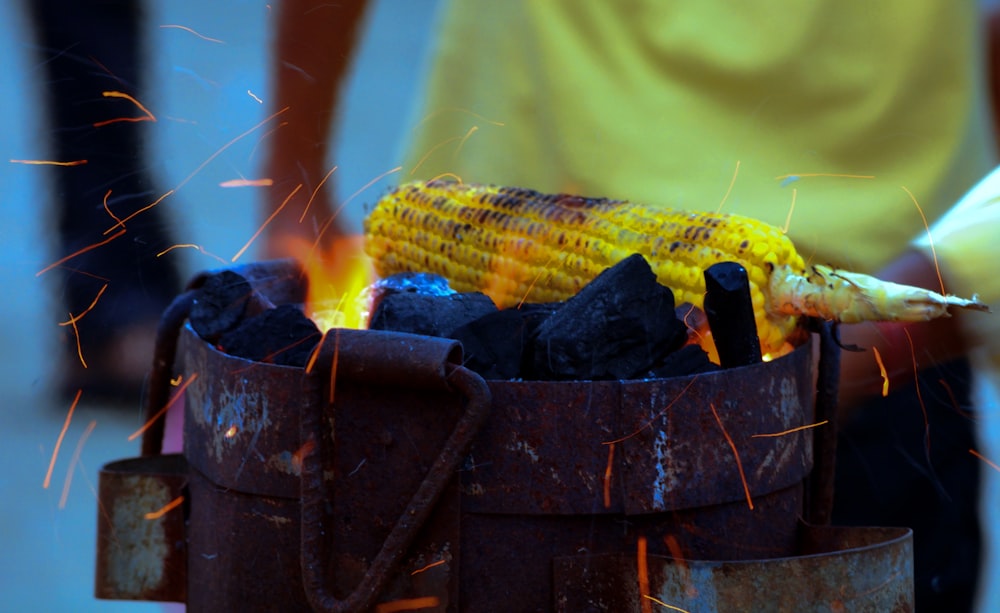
column 207, row 84
column 204, row 93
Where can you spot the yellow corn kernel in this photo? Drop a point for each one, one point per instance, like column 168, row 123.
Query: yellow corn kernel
column 518, row 245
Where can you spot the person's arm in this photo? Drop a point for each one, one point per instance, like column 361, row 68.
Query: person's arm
column 312, row 53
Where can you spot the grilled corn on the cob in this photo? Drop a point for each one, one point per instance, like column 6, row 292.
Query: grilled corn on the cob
column 520, row 245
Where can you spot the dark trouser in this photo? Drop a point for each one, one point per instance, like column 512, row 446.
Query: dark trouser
column 897, row 468
column 87, row 48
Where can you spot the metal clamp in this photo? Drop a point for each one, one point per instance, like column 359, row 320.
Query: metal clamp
column 366, row 356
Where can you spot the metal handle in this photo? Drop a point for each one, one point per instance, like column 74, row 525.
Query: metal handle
column 424, row 362
column 167, row 332
column 819, row 493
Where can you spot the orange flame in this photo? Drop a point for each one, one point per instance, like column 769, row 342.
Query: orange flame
column 338, row 279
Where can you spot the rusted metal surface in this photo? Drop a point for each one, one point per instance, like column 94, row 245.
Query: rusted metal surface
column 281, row 281
column 242, row 435
column 537, row 477
column 337, row 488
column 819, row 491
column 547, row 445
column 534, row 480
column 839, row 569
column 241, row 420
column 141, row 553
column 422, row 363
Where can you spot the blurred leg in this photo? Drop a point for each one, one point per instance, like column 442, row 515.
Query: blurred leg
column 87, row 48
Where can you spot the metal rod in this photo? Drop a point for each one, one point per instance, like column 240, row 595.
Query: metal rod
column 314, row 496
column 819, row 495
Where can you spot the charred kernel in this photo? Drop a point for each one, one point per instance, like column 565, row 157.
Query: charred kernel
column 499, row 240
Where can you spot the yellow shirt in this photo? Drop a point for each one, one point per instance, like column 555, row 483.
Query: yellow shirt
column 660, row 102
column 709, row 104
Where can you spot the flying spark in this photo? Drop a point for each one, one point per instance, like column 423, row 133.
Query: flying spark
column 736, row 454
column 607, row 476
column 989, row 463
column 663, row 604
column 191, row 246
column 76, row 338
column 247, row 183
column 173, row 398
column 791, row 209
column 170, row 506
column 795, row 176
column 643, row 572
column 882, row 371
column 187, row 29
column 49, row 162
column 313, row 195
column 930, row 238
column 69, row 257
column 121, row 222
column 117, row 94
column 75, row 318
column 732, row 182
column 655, row 417
column 62, row 435
column 791, row 430
column 112, row 215
column 266, row 222
column 428, row 567
column 408, row 604
column 74, row 461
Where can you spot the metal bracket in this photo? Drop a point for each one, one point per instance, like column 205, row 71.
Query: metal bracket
column 388, row 359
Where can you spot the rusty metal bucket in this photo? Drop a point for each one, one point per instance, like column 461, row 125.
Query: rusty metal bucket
column 388, row 473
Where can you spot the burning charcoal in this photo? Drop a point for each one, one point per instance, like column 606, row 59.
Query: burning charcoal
column 617, row 327
column 415, row 283
column 688, row 360
column 424, row 283
column 429, row 315
column 219, row 305
column 729, row 309
column 282, row 335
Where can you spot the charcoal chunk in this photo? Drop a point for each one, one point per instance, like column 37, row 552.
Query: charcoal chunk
column 688, row 360
column 429, row 315
column 729, row 309
column 282, row 335
column 493, row 344
column 424, row 283
column 617, row 327
column 219, row 304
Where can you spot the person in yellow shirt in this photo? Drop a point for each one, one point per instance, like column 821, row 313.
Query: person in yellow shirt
column 856, row 125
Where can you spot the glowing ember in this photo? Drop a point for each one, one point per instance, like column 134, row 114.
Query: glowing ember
column 408, row 604
column 170, row 506
column 147, row 116
column 74, row 462
column 62, row 435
